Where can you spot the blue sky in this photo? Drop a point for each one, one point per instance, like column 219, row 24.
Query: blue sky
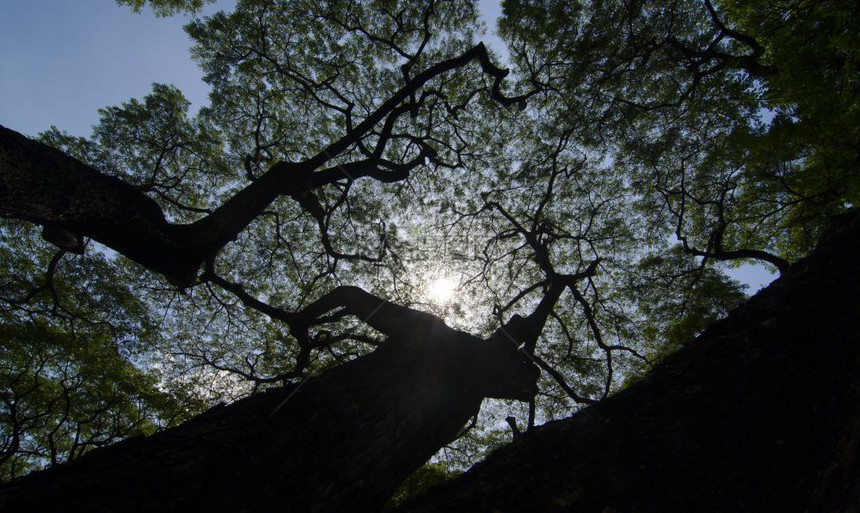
column 65, row 59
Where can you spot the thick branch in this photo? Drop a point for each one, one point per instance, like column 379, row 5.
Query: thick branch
column 558, row 377
column 526, row 330
column 718, row 253
column 715, row 249
column 478, row 52
column 719, row 59
column 42, row 185
column 382, row 315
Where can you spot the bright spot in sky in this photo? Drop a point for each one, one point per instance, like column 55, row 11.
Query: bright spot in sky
column 441, row 290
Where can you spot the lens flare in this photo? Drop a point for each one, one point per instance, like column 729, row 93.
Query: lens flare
column 441, row 290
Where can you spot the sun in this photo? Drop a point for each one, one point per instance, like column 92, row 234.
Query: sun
column 441, row 290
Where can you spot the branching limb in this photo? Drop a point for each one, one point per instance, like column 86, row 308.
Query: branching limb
column 703, row 62
column 558, row 378
column 715, row 249
column 382, row 315
column 45, row 186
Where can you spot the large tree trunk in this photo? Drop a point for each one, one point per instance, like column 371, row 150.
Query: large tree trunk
column 342, row 441
column 759, row 413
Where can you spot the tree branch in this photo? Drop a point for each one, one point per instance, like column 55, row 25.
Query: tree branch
column 42, row 185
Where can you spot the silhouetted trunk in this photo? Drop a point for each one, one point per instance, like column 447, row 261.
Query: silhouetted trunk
column 343, row 441
column 759, row 413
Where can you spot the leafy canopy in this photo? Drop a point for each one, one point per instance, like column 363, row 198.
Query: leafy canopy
column 636, row 149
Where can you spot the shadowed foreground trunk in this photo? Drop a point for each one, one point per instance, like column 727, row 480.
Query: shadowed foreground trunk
column 343, row 441
column 759, row 413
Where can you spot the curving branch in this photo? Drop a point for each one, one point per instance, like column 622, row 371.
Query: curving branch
column 43, row 185
column 715, row 249
column 559, row 379
column 709, row 60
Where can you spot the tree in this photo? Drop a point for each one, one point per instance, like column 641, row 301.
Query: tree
column 583, row 204
column 758, row 413
column 345, row 439
column 182, row 164
column 711, row 108
column 68, row 378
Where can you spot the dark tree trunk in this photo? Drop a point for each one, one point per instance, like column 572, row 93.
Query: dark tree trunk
column 759, row 413
column 343, row 441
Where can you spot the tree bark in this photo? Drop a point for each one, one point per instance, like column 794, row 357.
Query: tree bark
column 343, row 441
column 759, row 413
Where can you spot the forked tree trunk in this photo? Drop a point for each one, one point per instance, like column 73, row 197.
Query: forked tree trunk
column 343, row 441
column 760, row 413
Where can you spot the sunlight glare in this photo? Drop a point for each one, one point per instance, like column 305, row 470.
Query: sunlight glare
column 441, row 290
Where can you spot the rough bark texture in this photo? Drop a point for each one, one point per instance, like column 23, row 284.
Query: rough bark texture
column 341, row 442
column 759, row 413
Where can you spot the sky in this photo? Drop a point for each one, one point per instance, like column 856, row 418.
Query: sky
column 65, row 59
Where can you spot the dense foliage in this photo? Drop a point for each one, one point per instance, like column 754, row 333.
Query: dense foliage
column 651, row 142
